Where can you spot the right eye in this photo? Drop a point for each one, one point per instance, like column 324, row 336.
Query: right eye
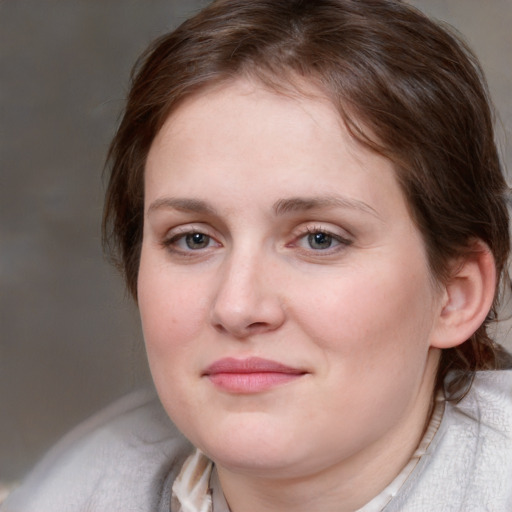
column 190, row 241
column 195, row 241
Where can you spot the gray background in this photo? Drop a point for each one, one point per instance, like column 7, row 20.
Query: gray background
column 70, row 340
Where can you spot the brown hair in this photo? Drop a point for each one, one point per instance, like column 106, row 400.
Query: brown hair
column 404, row 86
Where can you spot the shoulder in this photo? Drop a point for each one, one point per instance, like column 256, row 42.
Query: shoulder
column 491, row 398
column 468, row 465
column 123, row 458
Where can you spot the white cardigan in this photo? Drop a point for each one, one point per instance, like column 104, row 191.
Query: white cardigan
column 127, row 458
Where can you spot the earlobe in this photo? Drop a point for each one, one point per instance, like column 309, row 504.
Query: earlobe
column 468, row 297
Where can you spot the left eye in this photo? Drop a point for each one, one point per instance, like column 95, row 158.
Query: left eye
column 320, row 241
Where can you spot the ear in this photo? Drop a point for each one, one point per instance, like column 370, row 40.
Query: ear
column 467, row 298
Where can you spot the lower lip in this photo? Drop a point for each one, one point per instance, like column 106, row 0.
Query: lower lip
column 253, row 382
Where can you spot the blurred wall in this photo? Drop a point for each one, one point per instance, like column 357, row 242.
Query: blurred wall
column 69, row 338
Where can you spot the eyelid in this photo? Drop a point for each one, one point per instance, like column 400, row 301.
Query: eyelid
column 328, row 231
column 327, row 228
column 193, row 227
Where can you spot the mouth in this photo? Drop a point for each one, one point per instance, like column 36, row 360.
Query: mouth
column 251, row 375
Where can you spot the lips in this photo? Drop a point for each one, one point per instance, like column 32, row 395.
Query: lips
column 251, row 375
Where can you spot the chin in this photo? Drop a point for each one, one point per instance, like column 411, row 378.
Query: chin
column 249, row 447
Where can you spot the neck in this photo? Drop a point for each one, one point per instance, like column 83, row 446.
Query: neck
column 344, row 487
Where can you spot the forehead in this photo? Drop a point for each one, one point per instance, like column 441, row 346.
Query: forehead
column 246, row 107
column 250, row 137
column 226, row 97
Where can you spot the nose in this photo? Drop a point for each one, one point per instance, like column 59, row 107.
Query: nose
column 247, row 301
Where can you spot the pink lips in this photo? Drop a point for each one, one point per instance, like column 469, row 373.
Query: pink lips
column 250, row 375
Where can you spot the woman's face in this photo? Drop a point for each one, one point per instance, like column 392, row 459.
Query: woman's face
column 286, row 302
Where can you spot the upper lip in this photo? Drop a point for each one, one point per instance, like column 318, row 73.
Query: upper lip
column 249, row 365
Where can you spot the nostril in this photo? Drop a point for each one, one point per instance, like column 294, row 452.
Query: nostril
column 220, row 328
column 243, row 331
column 257, row 326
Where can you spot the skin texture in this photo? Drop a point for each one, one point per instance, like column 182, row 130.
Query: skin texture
column 270, row 233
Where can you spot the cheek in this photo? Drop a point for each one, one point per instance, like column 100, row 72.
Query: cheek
column 171, row 309
column 379, row 315
column 170, row 322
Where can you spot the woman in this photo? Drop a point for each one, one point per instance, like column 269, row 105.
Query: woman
column 308, row 206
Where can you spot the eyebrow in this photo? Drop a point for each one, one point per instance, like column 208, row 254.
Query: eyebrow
column 302, row 204
column 280, row 207
column 182, row 204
